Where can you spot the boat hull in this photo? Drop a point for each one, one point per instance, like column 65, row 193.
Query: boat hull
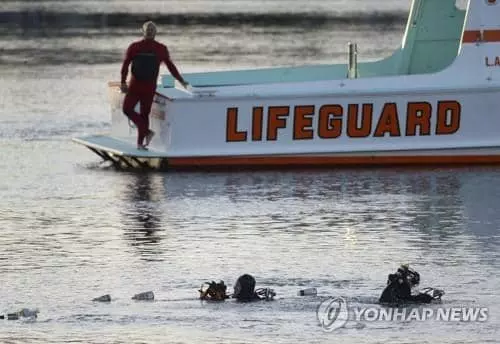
column 124, row 155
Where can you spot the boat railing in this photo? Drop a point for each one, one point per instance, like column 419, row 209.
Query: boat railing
column 352, row 68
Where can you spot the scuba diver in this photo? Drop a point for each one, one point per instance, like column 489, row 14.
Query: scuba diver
column 244, row 291
column 399, row 285
column 214, row 292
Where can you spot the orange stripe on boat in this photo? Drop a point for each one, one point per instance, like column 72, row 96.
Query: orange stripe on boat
column 310, row 161
column 473, row 36
column 492, row 35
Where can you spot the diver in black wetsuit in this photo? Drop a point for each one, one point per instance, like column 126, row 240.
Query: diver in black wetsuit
column 399, row 285
column 244, row 290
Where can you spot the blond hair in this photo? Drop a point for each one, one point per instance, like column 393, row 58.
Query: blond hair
column 149, row 29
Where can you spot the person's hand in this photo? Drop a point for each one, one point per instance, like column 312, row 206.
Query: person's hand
column 184, row 84
column 124, row 87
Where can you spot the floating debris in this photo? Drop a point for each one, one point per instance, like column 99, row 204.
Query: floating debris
column 24, row 313
column 13, row 316
column 104, row 298
column 308, row 292
column 147, row 296
column 29, row 313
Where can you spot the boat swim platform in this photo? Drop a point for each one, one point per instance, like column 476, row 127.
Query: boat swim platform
column 125, row 156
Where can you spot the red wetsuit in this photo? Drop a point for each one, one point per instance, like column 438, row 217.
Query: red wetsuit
column 146, row 56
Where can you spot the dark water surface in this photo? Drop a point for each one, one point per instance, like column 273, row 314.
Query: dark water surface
column 73, row 229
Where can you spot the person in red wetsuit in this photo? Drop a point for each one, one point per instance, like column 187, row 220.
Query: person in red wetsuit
column 146, row 56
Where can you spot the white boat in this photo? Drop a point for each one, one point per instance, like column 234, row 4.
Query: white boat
column 436, row 100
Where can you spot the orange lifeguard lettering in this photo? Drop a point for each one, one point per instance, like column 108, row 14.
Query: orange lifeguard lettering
column 388, row 122
column 355, row 131
column 257, row 118
column 419, row 115
column 275, row 122
column 330, row 121
column 448, row 117
column 232, row 133
column 302, row 122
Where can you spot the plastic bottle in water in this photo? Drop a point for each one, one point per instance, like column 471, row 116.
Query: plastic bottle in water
column 24, row 313
column 104, row 298
column 308, row 292
column 13, row 316
column 29, row 313
column 147, row 296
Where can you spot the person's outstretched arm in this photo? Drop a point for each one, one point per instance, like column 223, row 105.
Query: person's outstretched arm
column 173, row 69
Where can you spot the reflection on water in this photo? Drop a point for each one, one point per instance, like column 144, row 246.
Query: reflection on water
column 426, row 209
column 142, row 213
